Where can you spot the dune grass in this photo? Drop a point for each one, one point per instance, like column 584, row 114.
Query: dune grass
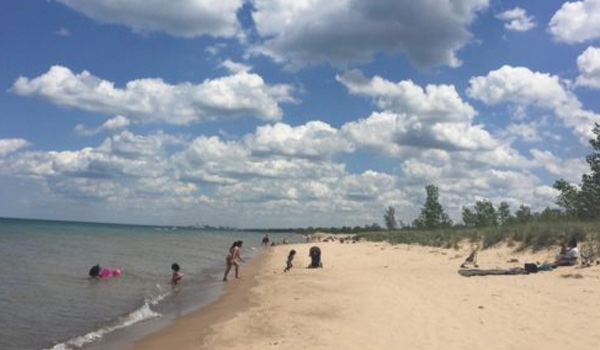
column 534, row 235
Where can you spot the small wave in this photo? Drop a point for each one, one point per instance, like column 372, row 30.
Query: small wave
column 139, row 315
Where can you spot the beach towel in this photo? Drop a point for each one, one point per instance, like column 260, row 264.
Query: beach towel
column 494, row 272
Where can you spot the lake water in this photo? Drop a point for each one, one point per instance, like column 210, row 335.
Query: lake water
column 48, row 301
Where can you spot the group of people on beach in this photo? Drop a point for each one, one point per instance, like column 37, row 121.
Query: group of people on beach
column 568, row 256
column 232, row 260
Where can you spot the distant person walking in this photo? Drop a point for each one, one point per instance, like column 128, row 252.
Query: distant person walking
column 265, row 240
column 234, row 258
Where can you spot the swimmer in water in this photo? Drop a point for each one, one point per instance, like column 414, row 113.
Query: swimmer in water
column 177, row 274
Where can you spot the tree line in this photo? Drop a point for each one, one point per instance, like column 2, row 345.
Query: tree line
column 578, row 202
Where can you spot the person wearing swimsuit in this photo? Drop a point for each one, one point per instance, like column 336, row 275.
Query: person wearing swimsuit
column 234, row 258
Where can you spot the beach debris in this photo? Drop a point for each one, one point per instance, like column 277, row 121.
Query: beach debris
column 513, row 260
column 572, row 275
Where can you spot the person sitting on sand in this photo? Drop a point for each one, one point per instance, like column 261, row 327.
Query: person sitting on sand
column 177, row 274
column 568, row 257
column 234, row 258
column 290, row 258
column 471, row 259
column 315, row 258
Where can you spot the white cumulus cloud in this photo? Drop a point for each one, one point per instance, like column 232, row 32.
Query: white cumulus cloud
column 12, row 145
column 155, row 101
column 112, row 125
column 525, row 88
column 412, row 117
column 576, row 22
column 589, row 68
column 185, row 18
column 342, row 32
column 314, row 139
column 517, row 20
column 432, row 103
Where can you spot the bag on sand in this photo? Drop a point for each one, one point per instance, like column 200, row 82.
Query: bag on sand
column 531, row 268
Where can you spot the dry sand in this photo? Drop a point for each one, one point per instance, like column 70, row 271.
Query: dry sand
column 377, row 296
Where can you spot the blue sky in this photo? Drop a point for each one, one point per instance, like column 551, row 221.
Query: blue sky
column 290, row 113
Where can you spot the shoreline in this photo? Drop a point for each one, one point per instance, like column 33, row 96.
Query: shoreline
column 192, row 330
column 378, row 296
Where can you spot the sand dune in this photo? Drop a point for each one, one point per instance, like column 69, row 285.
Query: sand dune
column 377, row 296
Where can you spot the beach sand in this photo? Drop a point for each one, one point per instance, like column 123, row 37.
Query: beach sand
column 378, row 296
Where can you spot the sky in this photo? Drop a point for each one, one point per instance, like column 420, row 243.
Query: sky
column 277, row 113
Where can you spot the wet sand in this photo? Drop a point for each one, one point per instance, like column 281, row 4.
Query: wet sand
column 377, row 296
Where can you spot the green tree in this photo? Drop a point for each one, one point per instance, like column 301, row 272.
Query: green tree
column 485, row 214
column 523, row 215
column 390, row 218
column 585, row 202
column 550, row 214
column 432, row 213
column 468, row 217
column 568, row 198
column 504, row 216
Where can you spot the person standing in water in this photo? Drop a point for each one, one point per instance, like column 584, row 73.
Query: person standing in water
column 177, row 274
column 234, row 258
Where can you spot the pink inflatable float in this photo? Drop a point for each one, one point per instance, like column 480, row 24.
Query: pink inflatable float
column 106, row 272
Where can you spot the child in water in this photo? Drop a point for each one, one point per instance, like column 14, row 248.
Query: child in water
column 290, row 258
column 95, row 272
column 177, row 275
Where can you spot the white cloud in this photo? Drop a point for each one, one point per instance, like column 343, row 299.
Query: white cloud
column 342, row 32
column 589, row 68
column 464, row 181
column 396, row 134
column 569, row 169
column 434, row 103
column 267, row 176
column 518, row 85
column 528, row 132
column 12, row 145
column 413, row 117
column 185, row 18
column 63, row 32
column 525, row 88
column 314, row 139
column 215, row 49
column 234, row 67
column 112, row 125
column 153, row 100
column 517, row 20
column 576, row 22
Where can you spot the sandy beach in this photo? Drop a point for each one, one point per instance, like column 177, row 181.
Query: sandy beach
column 378, row 296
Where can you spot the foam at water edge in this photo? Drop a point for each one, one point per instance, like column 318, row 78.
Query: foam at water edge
column 139, row 315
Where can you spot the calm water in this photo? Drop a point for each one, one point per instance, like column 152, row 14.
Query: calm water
column 47, row 301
